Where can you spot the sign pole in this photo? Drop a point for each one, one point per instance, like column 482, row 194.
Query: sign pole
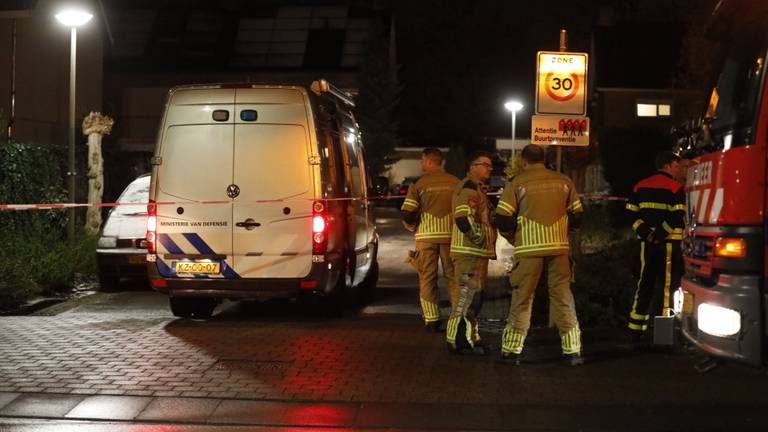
column 563, row 48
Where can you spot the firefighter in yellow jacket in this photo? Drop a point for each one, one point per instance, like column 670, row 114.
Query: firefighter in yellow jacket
column 472, row 244
column 427, row 211
column 534, row 213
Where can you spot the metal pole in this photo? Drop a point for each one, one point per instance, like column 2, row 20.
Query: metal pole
column 563, row 48
column 13, row 83
column 72, row 169
column 514, row 117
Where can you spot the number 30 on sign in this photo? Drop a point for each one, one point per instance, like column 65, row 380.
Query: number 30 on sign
column 561, row 83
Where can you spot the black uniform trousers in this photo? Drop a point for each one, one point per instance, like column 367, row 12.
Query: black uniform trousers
column 661, row 267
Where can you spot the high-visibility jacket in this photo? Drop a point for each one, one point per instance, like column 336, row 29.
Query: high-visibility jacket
column 657, row 207
column 427, row 206
column 533, row 212
column 472, row 234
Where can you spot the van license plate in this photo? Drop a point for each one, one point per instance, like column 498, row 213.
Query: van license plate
column 197, row 267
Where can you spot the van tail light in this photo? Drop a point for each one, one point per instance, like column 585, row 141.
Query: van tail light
column 151, row 227
column 319, row 228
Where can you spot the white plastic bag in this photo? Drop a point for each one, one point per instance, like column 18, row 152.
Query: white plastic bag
column 505, row 253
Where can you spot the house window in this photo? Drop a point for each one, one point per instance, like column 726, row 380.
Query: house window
column 646, row 109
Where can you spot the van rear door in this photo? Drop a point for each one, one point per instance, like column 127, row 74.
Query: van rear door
column 272, row 215
column 194, row 174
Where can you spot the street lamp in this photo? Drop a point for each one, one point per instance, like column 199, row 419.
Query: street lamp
column 72, row 18
column 513, row 107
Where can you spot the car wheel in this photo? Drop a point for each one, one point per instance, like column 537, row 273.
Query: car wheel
column 109, row 283
column 189, row 307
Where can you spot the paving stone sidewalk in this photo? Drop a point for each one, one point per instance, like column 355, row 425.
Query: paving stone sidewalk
column 356, row 358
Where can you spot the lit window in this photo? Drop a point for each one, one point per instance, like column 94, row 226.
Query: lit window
column 646, row 110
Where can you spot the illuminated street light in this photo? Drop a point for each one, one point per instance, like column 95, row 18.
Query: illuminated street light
column 513, row 107
column 72, row 18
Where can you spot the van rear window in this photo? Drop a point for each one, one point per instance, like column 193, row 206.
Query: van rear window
column 220, row 115
column 249, row 115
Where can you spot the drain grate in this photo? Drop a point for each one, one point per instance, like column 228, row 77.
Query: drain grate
column 254, row 366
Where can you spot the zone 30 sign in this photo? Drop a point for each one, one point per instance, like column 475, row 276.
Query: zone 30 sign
column 561, row 83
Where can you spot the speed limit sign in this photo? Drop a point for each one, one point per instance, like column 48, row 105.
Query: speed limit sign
column 561, row 83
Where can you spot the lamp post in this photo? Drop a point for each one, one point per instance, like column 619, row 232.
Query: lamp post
column 513, row 107
column 72, row 18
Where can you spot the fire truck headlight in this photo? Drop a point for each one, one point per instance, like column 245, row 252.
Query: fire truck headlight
column 677, row 301
column 718, row 321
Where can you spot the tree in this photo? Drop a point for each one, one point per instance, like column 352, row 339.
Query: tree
column 379, row 93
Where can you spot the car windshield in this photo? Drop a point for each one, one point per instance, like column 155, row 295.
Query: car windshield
column 136, row 192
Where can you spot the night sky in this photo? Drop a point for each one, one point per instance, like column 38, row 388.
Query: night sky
column 464, row 59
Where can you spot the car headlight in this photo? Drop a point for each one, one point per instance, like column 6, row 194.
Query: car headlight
column 107, row 242
column 718, row 321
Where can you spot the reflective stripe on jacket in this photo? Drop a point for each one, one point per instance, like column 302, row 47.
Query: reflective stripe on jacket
column 428, row 203
column 472, row 233
column 657, row 205
column 533, row 212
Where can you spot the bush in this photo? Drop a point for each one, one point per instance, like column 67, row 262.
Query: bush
column 35, row 263
column 31, row 174
column 604, row 284
column 36, row 258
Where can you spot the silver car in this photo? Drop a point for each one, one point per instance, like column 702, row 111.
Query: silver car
column 122, row 248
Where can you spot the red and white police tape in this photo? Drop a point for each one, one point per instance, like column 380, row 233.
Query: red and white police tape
column 54, row 206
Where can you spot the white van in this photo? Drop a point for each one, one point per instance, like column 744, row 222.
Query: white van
column 259, row 191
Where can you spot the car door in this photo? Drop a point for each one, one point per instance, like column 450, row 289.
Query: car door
column 358, row 207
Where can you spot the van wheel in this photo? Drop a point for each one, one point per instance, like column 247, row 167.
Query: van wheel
column 189, row 307
column 367, row 288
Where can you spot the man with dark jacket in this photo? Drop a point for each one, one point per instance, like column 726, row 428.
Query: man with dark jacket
column 657, row 209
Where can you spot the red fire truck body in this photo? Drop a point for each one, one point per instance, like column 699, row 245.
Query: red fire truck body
column 722, row 302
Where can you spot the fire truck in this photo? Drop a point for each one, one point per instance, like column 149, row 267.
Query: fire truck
column 722, row 302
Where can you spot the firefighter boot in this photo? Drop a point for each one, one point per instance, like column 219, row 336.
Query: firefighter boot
column 571, row 344
column 511, row 346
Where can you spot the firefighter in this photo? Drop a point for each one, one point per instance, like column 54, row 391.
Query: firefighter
column 534, row 213
column 657, row 209
column 427, row 211
column 472, row 244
